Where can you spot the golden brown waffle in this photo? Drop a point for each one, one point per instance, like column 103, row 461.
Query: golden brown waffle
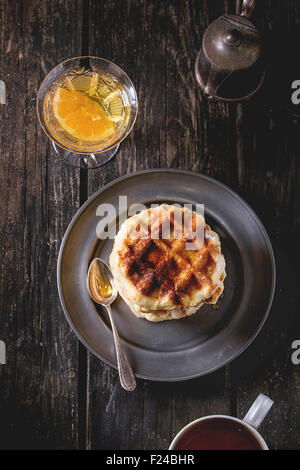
column 156, row 259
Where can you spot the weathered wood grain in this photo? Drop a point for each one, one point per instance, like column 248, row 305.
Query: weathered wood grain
column 53, row 393
column 222, row 141
column 39, row 194
column 158, row 53
column 269, row 179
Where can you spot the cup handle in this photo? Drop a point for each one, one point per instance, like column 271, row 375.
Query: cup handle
column 258, row 411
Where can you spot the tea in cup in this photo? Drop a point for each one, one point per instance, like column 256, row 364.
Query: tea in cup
column 221, row 432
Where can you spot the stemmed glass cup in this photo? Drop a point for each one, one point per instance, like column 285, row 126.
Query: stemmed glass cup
column 87, row 106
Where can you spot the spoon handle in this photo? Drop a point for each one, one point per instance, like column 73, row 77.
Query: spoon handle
column 126, row 374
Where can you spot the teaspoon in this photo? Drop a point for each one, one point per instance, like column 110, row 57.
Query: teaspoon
column 102, row 290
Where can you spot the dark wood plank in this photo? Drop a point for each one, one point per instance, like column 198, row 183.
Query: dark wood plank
column 53, row 393
column 39, row 194
column 199, row 133
column 235, row 144
column 137, row 56
column 269, row 179
column 160, row 45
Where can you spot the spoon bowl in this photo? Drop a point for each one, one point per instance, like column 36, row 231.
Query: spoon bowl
column 100, row 283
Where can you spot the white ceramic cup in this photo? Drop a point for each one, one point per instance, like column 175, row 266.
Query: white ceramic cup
column 251, row 421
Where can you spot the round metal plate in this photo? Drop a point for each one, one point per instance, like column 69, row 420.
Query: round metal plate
column 177, row 349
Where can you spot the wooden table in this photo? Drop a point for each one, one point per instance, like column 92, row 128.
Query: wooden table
column 53, row 394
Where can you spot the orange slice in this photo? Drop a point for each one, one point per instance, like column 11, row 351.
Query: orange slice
column 81, row 116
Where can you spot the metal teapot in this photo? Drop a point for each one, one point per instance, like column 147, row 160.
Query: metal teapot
column 229, row 65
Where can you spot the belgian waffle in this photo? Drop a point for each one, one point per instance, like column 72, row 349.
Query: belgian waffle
column 165, row 269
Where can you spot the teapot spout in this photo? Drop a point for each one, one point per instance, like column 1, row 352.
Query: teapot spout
column 215, row 80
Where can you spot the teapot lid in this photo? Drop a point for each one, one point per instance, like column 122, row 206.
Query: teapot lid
column 232, row 43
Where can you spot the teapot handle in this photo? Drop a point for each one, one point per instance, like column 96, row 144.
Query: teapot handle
column 248, row 7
